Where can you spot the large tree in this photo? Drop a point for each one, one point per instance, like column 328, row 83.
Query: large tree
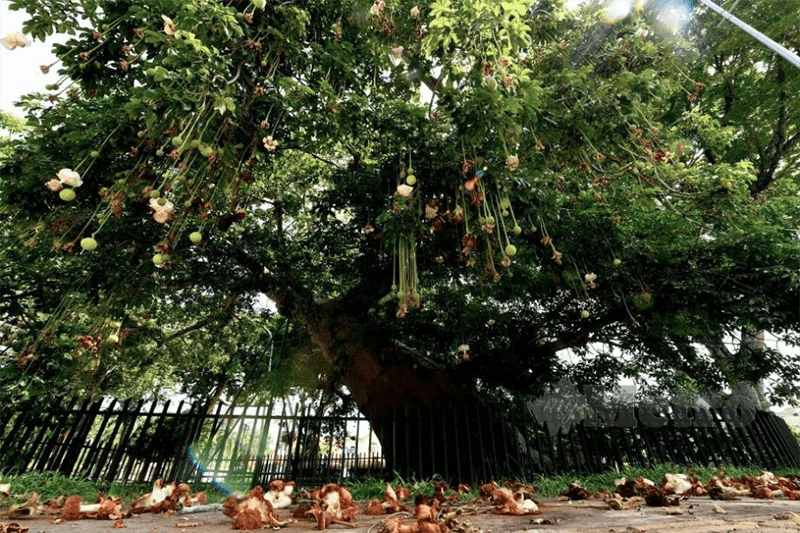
column 582, row 180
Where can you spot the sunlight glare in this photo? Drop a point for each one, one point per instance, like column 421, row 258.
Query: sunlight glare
column 617, row 10
column 675, row 14
column 574, row 4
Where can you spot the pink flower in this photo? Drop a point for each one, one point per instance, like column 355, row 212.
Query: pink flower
column 170, row 28
column 15, row 40
column 398, row 51
column 162, row 209
column 431, row 211
column 512, row 162
column 508, row 81
column 414, row 12
column 269, row 143
column 505, row 63
column 54, row 185
column 378, row 7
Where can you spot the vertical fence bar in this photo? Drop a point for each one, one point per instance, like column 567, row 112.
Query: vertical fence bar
column 109, row 441
column 419, row 440
column 129, row 421
column 446, row 455
column 259, row 477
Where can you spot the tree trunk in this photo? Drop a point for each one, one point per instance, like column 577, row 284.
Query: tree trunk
column 429, row 420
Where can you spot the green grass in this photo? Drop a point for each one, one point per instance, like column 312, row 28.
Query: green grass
column 373, row 488
column 50, row 485
column 551, row 486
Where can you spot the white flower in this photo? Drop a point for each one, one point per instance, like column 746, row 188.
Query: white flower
column 405, row 190
column 69, row 177
column 15, row 40
column 641, row 32
column 54, row 185
column 414, row 12
column 590, row 277
column 463, row 348
column 157, row 205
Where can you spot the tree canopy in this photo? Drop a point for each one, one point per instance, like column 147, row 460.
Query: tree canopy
column 404, row 197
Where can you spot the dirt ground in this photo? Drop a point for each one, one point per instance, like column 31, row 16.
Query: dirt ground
column 699, row 516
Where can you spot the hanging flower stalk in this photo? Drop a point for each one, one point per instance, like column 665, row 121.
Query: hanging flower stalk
column 402, row 218
column 407, row 293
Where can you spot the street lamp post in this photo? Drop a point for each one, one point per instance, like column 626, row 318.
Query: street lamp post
column 779, row 49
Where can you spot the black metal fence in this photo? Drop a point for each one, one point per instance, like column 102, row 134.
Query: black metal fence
column 239, row 447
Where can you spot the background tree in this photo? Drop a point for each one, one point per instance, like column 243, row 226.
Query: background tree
column 439, row 198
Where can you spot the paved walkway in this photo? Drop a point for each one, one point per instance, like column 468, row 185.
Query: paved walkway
column 698, row 516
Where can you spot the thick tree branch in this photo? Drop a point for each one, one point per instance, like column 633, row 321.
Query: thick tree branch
column 776, row 149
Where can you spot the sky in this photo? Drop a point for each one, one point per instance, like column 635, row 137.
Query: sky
column 19, row 68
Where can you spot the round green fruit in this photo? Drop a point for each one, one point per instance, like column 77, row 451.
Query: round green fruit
column 511, row 250
column 160, row 152
column 155, row 193
column 491, row 84
column 411, row 179
column 177, row 141
column 517, row 230
column 195, row 143
column 196, row 237
column 643, row 301
column 94, row 153
column 141, row 134
column 88, row 244
column 162, row 201
column 206, row 150
column 157, row 260
column 617, row 261
column 67, row 195
column 584, row 314
column 113, row 339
